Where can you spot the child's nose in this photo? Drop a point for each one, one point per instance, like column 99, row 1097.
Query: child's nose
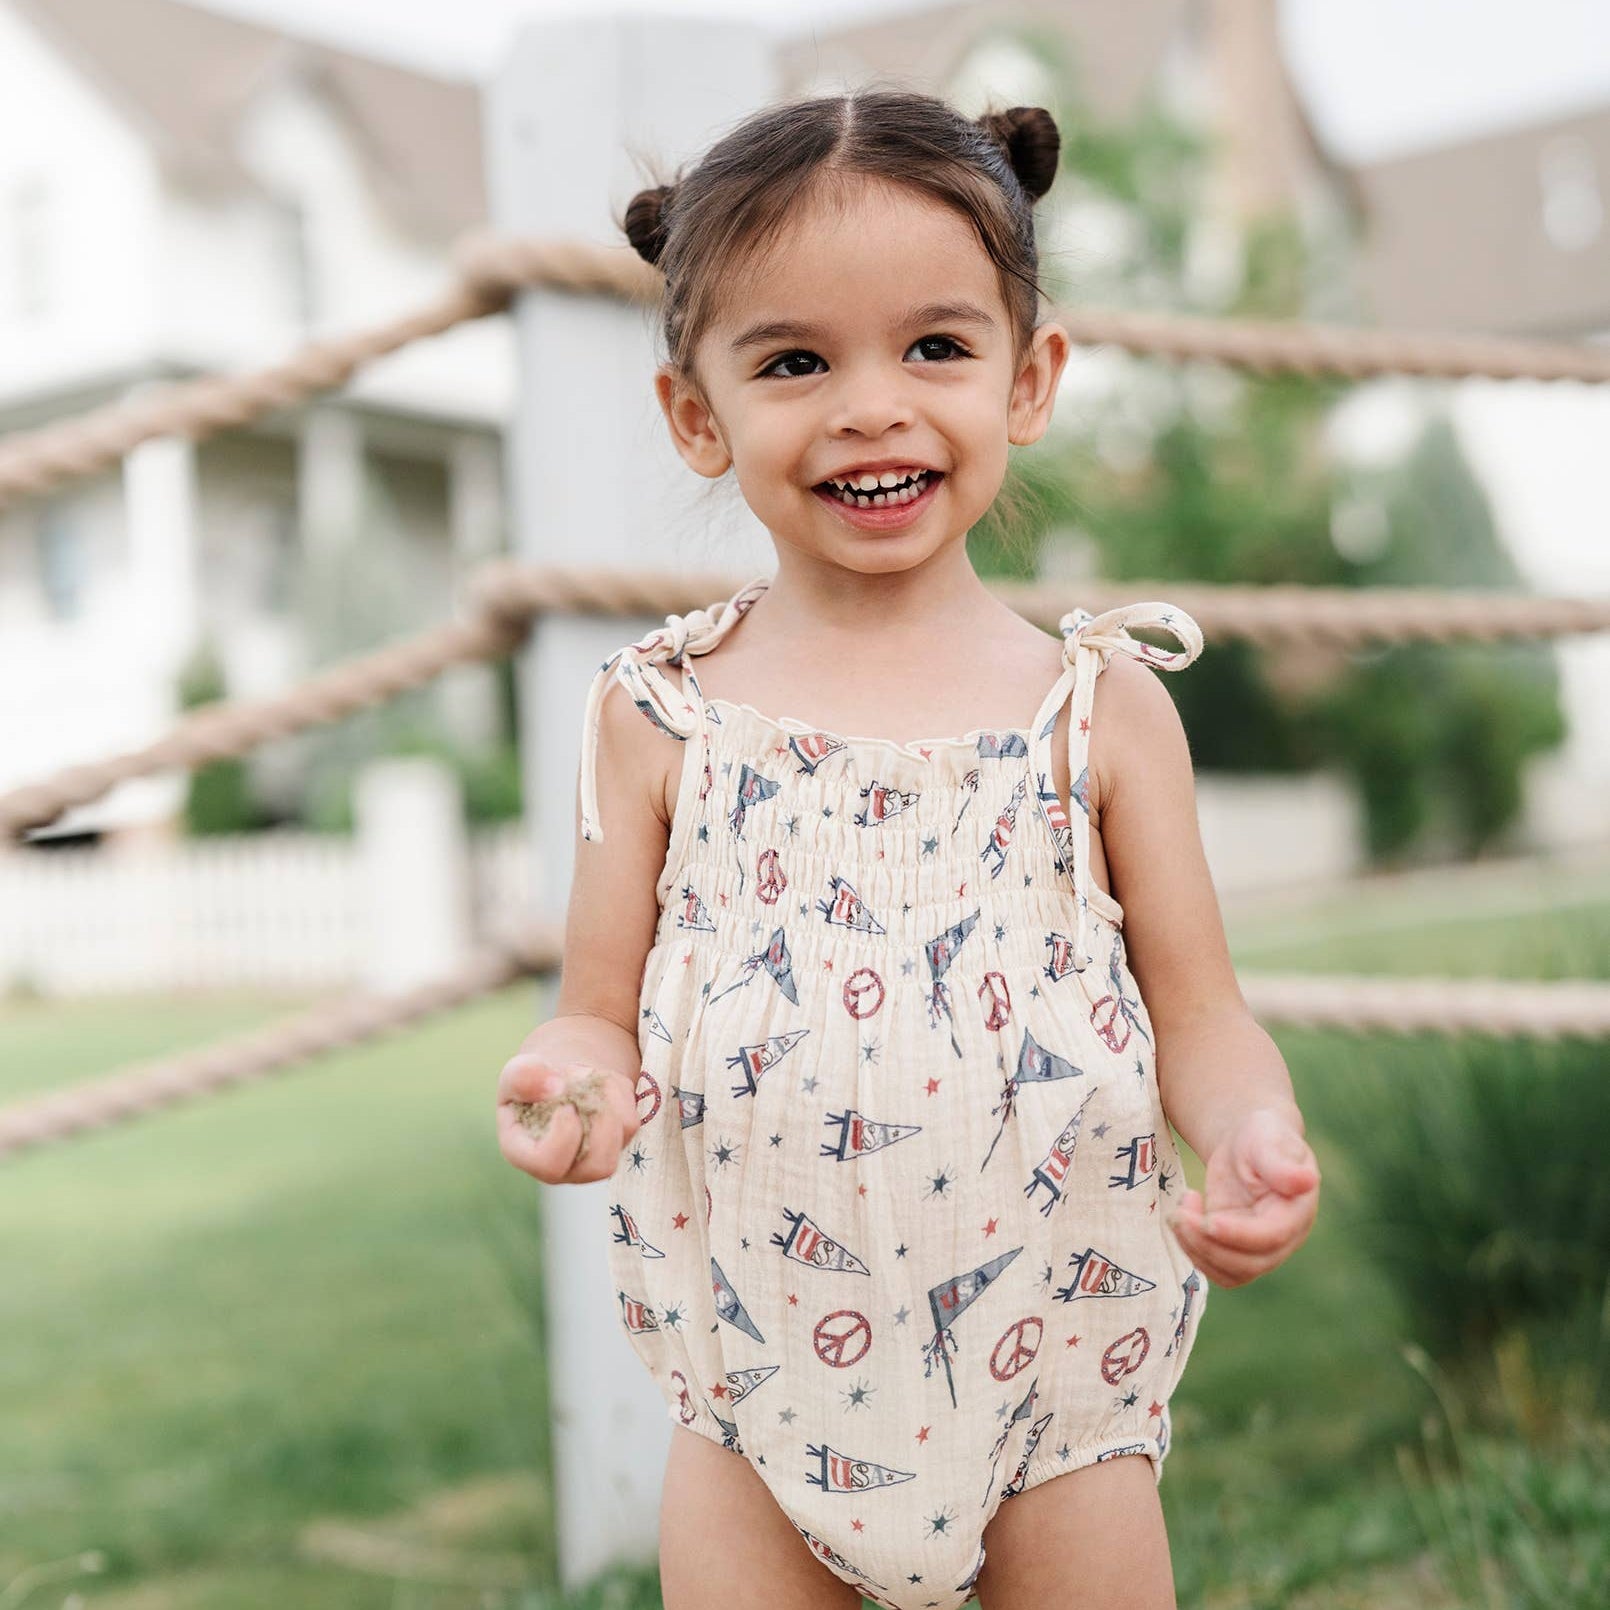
column 872, row 405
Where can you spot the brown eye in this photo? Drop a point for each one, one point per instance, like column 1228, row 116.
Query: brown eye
column 955, row 348
column 773, row 368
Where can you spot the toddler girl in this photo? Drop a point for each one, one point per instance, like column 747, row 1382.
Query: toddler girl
column 854, row 1026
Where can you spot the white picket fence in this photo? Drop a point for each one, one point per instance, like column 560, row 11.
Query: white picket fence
column 284, row 910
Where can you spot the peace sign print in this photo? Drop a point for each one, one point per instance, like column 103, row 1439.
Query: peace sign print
column 1108, row 1017
column 648, row 1094
column 863, row 993
column 1016, row 1349
column 1125, row 1355
column 771, row 879
column 842, row 1338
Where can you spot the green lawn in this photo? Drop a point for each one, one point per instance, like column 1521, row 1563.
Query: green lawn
column 276, row 1349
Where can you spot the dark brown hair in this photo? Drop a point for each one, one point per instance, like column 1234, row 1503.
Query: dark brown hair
column 703, row 229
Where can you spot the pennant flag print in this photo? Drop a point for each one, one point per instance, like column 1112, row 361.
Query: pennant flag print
column 847, row 909
column 753, row 789
column 806, row 1242
column 638, row 1318
column 728, row 1307
column 859, row 1136
column 1053, row 1169
column 754, row 1060
column 948, row 1301
column 1096, row 1275
column 841, row 1473
column 1001, row 746
column 812, row 748
column 740, row 1383
column 694, row 913
column 629, row 1234
column 690, row 1103
column 882, row 803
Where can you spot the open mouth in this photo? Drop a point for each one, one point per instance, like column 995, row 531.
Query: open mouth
column 856, row 494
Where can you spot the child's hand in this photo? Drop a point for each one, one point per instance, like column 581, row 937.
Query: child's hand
column 564, row 1122
column 1262, row 1190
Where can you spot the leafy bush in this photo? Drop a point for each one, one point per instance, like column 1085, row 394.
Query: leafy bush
column 218, row 796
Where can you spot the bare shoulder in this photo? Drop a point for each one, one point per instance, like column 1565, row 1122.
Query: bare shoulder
column 1135, row 729
column 636, row 755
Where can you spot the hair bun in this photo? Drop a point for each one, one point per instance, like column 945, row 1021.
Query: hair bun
column 645, row 221
column 1028, row 136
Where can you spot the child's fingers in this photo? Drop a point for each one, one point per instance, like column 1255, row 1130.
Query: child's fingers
column 526, row 1076
column 547, row 1155
column 1271, row 1223
column 598, row 1158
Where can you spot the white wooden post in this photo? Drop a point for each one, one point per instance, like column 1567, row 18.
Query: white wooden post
column 592, row 476
column 414, row 865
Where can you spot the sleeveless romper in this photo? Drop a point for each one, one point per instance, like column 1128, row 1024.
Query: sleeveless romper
column 892, row 1224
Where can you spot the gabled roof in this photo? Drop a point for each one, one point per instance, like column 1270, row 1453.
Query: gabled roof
column 1458, row 237
column 185, row 77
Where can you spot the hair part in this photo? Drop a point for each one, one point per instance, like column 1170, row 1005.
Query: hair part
column 706, row 228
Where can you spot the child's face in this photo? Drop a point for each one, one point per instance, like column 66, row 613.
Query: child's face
column 865, row 380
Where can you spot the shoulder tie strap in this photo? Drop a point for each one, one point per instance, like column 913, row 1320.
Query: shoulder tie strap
column 1088, row 642
column 636, row 668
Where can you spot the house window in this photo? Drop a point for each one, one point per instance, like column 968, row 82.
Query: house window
column 25, row 227
column 63, row 571
column 1573, row 206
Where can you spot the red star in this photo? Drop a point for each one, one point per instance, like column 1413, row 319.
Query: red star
column 861, row 1189
column 989, row 1229
column 925, row 753
column 1155, row 1408
column 922, row 1436
column 858, row 1526
column 1073, row 1341
column 688, row 958
column 722, row 898
column 793, row 1300
column 933, row 1086
column 718, row 1390
column 1151, row 1207
column 781, row 749
column 880, row 855
column 827, row 963
column 1084, row 723
column 961, row 891
column 680, row 1220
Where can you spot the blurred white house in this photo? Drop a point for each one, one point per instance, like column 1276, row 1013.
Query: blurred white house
column 182, row 193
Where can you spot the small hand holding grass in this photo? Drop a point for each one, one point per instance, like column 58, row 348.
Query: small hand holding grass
column 566, row 1123
column 1261, row 1189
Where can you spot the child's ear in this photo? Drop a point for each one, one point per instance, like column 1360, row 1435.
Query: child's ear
column 1034, row 391
column 694, row 427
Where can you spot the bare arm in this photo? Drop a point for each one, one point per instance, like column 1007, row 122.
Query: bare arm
column 1214, row 1060
column 609, row 930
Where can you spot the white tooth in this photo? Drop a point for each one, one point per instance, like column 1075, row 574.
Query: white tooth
column 868, row 482
column 879, row 499
column 864, row 502
column 848, row 497
column 889, row 478
column 907, row 495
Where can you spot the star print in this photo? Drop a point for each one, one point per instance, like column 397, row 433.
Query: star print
column 1004, row 1410
column 922, row 1435
column 674, row 1318
column 1064, row 1451
column 989, row 1229
column 914, row 1577
column 929, row 845
column 1154, row 1407
column 793, row 1300
column 858, row 1525
column 704, row 989
column 776, row 1140
column 680, row 1220
column 638, row 1158
column 1027, row 880
column 754, row 927
column 905, row 906
column 939, row 1523
column 941, row 1183
column 907, row 966
column 869, row 1051
column 745, row 1242
column 1163, row 1177
column 646, row 1013
column 792, row 825
column 860, row 1190
column 1046, row 1278
column 1000, row 930
column 856, row 1397
column 933, row 1086
column 1100, row 1130
column 961, row 891
column 723, row 1153
column 1034, row 990
column 902, row 1314
column 704, row 832
column 804, row 908
column 900, row 1251
column 687, row 958
column 718, row 1390
column 827, row 810
column 726, row 768
column 1073, row 1341
column 827, row 964
column 809, row 1085
column 787, row 1416
column 1131, row 1399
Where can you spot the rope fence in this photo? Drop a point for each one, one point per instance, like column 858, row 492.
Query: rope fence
column 505, row 598
column 492, row 270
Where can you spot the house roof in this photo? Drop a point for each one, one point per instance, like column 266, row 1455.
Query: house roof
column 1507, row 233
column 185, row 76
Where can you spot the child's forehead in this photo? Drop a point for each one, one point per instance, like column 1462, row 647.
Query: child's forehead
column 862, row 257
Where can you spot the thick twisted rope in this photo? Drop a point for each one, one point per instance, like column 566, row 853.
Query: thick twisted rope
column 504, row 599
column 147, row 1087
column 1359, row 1005
column 492, row 270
